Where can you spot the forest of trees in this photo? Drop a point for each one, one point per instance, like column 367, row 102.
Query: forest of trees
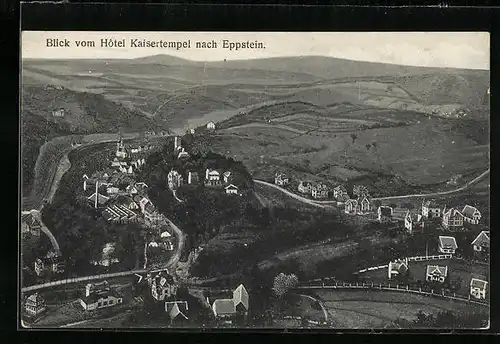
column 80, row 230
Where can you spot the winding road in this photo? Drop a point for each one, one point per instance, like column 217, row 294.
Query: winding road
column 50, row 188
column 293, row 195
column 324, row 204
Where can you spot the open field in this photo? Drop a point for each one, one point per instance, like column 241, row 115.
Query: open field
column 369, row 155
column 365, row 309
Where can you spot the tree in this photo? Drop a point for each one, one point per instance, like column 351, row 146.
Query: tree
column 360, row 190
column 367, row 146
column 354, row 137
column 283, row 283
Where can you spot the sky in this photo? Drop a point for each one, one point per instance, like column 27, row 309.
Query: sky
column 470, row 50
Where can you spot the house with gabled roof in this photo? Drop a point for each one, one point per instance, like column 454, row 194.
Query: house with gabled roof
column 212, row 177
column 482, row 242
column 414, row 222
column 478, row 288
column 431, row 209
column 452, row 218
column 364, row 204
column 228, row 310
column 50, row 263
column 34, row 305
column 447, row 244
column 351, row 206
column 340, row 192
column 320, row 191
column 471, row 214
column 163, row 286
column 435, row 273
column 101, row 298
column 30, row 224
column 232, row 189
column 177, row 310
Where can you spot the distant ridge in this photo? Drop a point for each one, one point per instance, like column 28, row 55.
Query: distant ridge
column 319, row 66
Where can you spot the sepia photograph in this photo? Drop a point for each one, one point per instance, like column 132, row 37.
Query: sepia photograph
column 254, row 180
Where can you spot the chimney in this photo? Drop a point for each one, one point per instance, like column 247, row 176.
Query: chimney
column 96, row 193
column 189, row 177
column 85, row 185
column 206, row 173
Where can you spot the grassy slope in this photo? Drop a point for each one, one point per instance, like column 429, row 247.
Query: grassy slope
column 87, row 113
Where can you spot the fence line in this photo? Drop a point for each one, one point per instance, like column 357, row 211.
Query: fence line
column 402, row 288
column 81, row 279
column 410, row 259
column 420, row 258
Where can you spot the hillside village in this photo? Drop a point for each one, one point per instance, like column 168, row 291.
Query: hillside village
column 120, row 197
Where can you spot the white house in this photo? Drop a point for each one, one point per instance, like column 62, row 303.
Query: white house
column 35, row 305
column 231, row 189
column 227, row 309
column 211, row 125
column 163, row 286
column 212, row 177
column 447, row 244
column 452, row 218
column 482, row 242
column 430, row 209
column 101, row 299
column 471, row 215
column 364, row 204
column 478, row 288
column 351, row 206
column 319, row 191
column 436, row 273
column 414, row 222
column 339, row 192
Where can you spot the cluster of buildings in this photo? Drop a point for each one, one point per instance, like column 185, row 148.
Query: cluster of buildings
column 440, row 273
column 450, row 219
column 231, row 310
column 164, row 287
column 213, row 177
column 52, row 263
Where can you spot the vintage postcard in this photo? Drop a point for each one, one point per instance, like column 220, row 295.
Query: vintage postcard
column 332, row 180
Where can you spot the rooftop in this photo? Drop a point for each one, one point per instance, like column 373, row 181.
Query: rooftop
column 477, row 283
column 440, row 270
column 483, row 239
column 469, row 211
column 448, row 242
column 224, row 307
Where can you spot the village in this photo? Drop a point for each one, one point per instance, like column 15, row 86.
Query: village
column 432, row 218
column 121, row 197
